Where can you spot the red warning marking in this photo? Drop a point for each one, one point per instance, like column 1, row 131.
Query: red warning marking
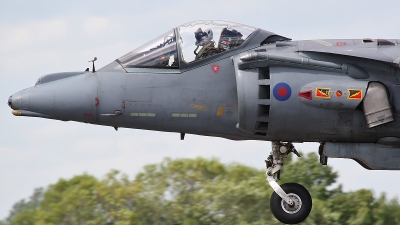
column 339, row 93
column 97, row 102
column 215, row 68
column 123, row 104
column 88, row 115
column 306, row 94
column 341, row 43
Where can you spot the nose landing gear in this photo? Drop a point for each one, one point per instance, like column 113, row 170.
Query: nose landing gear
column 290, row 203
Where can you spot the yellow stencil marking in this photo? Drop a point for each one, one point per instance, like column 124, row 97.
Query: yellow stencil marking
column 220, row 111
column 144, row 114
column 200, row 107
column 184, row 115
column 323, row 42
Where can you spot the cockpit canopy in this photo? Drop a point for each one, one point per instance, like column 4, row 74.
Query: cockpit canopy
column 196, row 40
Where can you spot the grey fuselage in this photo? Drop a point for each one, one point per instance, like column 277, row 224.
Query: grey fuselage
column 232, row 94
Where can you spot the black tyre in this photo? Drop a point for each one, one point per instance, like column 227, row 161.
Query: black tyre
column 292, row 214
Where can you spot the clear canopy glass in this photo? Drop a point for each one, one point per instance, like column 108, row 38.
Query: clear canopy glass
column 197, row 40
column 161, row 52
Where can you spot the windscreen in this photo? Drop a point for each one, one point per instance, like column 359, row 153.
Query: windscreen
column 161, row 52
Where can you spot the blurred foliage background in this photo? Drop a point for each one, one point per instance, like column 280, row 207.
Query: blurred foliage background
column 195, row 192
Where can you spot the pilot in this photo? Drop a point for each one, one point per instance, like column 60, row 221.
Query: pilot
column 229, row 39
column 204, row 39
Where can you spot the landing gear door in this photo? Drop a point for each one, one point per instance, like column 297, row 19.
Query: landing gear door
column 376, row 104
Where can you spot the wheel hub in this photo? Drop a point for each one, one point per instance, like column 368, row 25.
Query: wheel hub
column 292, row 209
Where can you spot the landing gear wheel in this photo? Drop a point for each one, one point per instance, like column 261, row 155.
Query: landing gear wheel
column 292, row 214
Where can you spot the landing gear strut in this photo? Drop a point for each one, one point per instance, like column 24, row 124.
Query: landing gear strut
column 323, row 159
column 290, row 203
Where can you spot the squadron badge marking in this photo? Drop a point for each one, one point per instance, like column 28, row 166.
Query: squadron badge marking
column 339, row 93
column 355, row 94
column 323, row 93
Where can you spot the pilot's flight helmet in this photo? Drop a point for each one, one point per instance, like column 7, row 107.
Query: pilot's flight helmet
column 203, row 37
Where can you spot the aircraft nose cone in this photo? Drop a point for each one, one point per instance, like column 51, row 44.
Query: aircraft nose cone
column 9, row 103
column 16, row 100
column 32, row 102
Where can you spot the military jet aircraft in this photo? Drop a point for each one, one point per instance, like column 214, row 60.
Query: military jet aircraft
column 223, row 79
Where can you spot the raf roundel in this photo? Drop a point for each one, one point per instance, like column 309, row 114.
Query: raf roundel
column 282, row 92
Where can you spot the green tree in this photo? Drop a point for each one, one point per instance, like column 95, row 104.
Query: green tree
column 22, row 211
column 200, row 191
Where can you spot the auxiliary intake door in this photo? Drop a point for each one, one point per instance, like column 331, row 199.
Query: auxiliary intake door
column 377, row 108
